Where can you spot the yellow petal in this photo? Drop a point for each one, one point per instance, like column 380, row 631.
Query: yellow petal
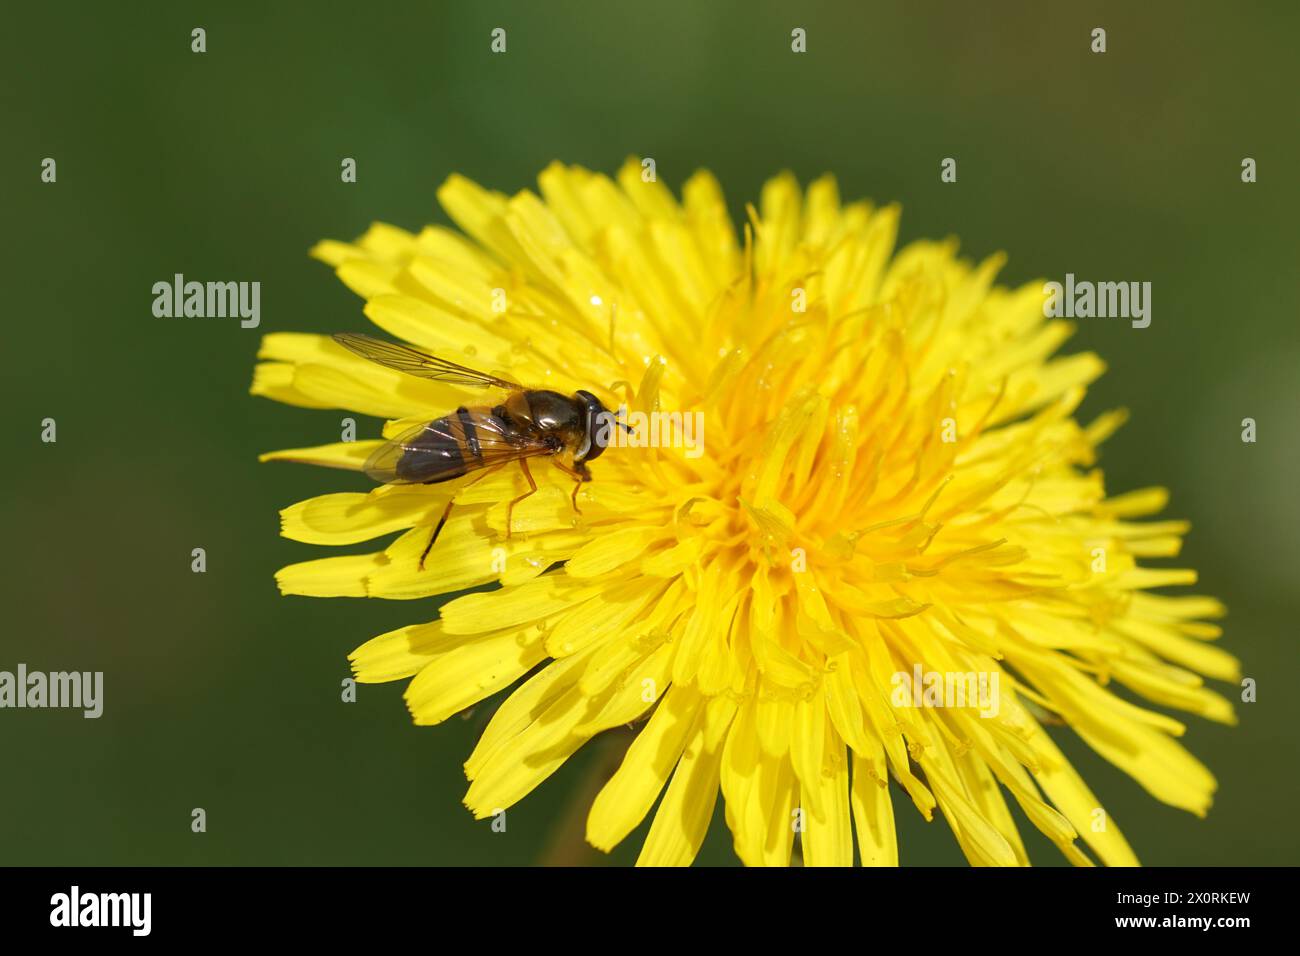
column 400, row 653
column 519, row 764
column 628, row 795
column 517, row 712
column 873, row 813
column 683, row 816
column 472, row 671
column 349, row 455
column 542, row 597
column 827, row 838
column 609, row 551
column 348, row 517
column 329, row 577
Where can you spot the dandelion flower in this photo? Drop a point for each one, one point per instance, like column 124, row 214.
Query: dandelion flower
column 892, row 483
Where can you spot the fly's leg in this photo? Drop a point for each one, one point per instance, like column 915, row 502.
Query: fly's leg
column 437, row 528
column 446, row 511
column 532, row 485
column 578, row 472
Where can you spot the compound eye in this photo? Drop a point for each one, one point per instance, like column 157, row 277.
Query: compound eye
column 591, row 448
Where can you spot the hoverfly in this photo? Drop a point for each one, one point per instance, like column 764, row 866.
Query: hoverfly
column 527, row 423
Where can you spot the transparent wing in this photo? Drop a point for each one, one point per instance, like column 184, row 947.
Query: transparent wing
column 412, row 361
column 466, row 441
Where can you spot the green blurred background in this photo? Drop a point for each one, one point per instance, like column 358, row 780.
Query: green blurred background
column 220, row 694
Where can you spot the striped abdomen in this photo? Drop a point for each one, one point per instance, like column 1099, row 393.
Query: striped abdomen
column 442, row 449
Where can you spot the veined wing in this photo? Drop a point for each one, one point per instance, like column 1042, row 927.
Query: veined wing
column 412, row 361
column 467, row 440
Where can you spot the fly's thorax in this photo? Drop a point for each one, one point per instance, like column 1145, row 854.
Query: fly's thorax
column 559, row 417
column 552, row 411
